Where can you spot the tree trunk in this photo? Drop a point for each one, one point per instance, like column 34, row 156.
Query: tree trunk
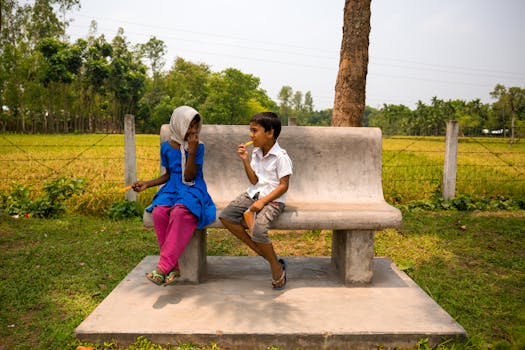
column 349, row 104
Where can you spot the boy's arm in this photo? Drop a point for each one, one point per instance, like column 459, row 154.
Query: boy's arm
column 243, row 154
column 276, row 193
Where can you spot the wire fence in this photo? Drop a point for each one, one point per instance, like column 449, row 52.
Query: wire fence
column 412, row 166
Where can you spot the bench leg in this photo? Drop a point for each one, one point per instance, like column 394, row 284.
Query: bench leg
column 353, row 254
column 192, row 262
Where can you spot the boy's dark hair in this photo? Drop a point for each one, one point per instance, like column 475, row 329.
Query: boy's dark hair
column 269, row 121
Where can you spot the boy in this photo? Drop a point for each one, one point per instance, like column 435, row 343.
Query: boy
column 269, row 174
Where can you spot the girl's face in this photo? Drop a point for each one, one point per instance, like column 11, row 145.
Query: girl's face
column 259, row 136
column 193, row 129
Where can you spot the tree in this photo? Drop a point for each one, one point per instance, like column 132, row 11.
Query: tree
column 349, row 103
column 308, row 102
column 510, row 105
column 154, row 51
column 126, row 79
column 297, row 103
column 392, row 119
column 285, row 107
column 233, row 97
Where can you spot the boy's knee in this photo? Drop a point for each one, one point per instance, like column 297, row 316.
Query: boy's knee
column 260, row 234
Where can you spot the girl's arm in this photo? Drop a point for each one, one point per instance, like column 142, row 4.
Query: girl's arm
column 276, row 193
column 190, row 171
column 243, row 154
column 140, row 186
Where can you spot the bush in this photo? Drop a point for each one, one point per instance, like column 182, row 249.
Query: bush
column 464, row 202
column 124, row 210
column 51, row 204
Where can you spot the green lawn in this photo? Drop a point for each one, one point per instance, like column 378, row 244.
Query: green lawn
column 55, row 272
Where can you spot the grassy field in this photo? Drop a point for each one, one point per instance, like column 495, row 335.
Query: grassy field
column 412, row 166
column 53, row 273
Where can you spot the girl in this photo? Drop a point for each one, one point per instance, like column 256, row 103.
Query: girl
column 183, row 203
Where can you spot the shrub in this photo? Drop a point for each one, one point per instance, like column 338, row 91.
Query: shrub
column 465, row 202
column 50, row 204
column 124, row 210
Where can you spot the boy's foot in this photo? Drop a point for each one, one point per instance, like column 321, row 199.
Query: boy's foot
column 281, row 282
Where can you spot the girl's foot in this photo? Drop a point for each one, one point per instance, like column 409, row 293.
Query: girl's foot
column 171, row 277
column 156, row 277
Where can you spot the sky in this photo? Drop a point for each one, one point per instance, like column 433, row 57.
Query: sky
column 450, row 49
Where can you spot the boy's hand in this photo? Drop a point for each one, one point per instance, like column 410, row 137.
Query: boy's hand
column 257, row 205
column 242, row 152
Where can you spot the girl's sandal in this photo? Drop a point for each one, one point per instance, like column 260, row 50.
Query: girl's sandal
column 156, row 277
column 171, row 278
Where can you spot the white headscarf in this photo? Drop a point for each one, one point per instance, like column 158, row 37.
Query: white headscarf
column 179, row 123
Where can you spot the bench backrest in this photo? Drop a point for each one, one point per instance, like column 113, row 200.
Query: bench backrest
column 330, row 164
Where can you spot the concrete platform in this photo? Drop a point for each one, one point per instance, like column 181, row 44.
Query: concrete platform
column 237, row 309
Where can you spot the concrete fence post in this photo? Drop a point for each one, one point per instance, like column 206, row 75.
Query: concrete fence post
column 130, row 158
column 451, row 156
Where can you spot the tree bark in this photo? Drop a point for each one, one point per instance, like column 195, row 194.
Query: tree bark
column 350, row 87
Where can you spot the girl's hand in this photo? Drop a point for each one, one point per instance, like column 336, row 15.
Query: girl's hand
column 139, row 186
column 193, row 142
column 242, row 152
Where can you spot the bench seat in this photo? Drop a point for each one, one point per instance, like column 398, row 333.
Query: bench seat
column 336, row 185
column 332, row 216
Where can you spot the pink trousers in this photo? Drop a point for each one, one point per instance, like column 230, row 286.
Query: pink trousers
column 174, row 227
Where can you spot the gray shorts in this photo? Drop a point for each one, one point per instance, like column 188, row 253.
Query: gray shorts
column 233, row 213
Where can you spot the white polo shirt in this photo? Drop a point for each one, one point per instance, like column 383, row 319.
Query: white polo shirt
column 275, row 165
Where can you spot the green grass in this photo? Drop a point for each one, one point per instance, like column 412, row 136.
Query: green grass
column 53, row 273
column 487, row 167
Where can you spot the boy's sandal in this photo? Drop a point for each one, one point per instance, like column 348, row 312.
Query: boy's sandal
column 155, row 277
column 171, row 278
column 281, row 282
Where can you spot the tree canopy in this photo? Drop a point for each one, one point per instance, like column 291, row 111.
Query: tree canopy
column 51, row 85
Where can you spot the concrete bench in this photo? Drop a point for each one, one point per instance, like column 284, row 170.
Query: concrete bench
column 336, row 185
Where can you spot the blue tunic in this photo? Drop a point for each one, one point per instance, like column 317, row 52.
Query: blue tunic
column 195, row 197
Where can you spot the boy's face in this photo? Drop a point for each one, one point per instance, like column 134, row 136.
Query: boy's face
column 259, row 136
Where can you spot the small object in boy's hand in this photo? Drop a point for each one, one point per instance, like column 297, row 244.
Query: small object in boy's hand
column 248, row 143
column 249, row 217
column 124, row 189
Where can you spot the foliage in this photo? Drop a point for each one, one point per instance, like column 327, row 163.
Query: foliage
column 475, row 118
column 49, row 205
column 299, row 106
column 124, row 210
column 510, row 108
column 466, row 202
column 50, row 85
